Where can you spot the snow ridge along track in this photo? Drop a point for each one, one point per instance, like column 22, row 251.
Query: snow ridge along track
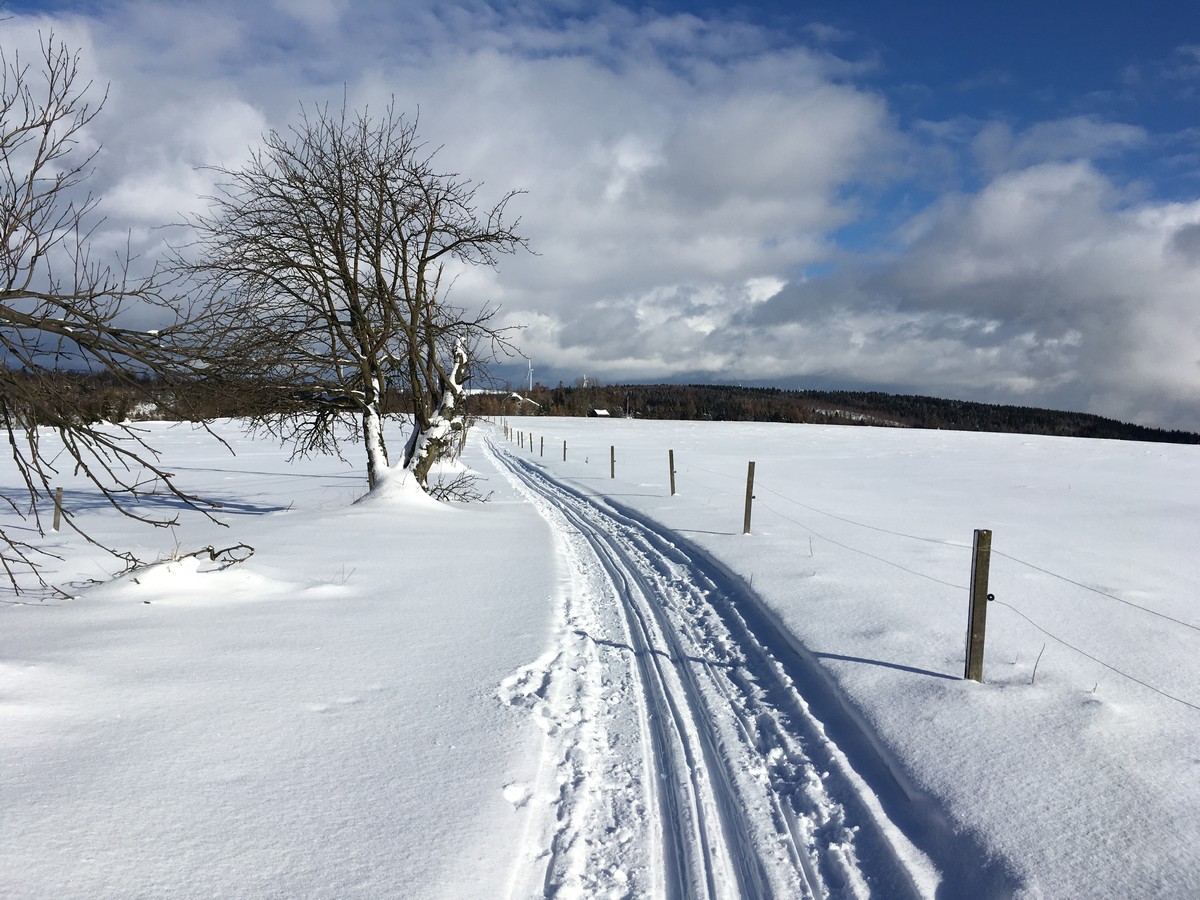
column 743, row 793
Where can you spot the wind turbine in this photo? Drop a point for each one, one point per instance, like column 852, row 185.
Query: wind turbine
column 531, row 374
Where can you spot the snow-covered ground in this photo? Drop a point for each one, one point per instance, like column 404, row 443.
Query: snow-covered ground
column 588, row 687
column 320, row 721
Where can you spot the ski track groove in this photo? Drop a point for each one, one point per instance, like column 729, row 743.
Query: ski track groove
column 747, row 795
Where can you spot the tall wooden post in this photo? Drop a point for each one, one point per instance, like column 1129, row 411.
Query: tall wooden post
column 57, row 508
column 542, row 445
column 564, row 451
column 612, row 462
column 671, row 467
column 981, row 557
column 749, row 497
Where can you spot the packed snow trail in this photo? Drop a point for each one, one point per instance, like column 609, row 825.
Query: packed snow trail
column 741, row 793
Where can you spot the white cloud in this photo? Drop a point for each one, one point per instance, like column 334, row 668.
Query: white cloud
column 759, row 290
column 998, row 149
column 1044, row 287
column 170, row 181
column 682, row 173
column 317, row 15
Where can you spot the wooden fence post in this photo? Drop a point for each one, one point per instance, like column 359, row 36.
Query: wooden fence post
column 671, row 467
column 57, row 508
column 612, row 461
column 542, row 445
column 749, row 497
column 564, row 451
column 981, row 556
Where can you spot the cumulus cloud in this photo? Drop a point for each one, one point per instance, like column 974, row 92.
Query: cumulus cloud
column 1047, row 285
column 691, row 185
column 1056, row 256
column 998, row 148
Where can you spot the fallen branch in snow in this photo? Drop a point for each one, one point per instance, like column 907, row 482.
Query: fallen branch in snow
column 461, row 487
column 228, row 556
column 225, row 557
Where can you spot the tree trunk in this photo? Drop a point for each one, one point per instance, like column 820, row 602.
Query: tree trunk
column 372, row 421
column 441, row 435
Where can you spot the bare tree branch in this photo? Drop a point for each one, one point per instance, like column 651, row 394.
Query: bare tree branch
column 59, row 305
column 327, row 257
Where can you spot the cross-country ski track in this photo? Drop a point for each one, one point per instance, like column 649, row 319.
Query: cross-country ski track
column 684, row 755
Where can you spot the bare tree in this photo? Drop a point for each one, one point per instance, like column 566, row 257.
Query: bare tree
column 59, row 304
column 330, row 255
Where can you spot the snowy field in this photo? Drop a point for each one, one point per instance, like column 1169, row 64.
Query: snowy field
column 589, row 687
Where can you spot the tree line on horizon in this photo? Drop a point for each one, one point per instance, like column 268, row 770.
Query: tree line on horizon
column 103, row 397
column 733, row 403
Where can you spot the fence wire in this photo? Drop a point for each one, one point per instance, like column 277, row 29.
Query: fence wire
column 759, row 486
column 1096, row 659
column 1087, row 587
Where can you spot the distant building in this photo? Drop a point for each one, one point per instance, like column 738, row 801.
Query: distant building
column 598, row 414
column 515, row 396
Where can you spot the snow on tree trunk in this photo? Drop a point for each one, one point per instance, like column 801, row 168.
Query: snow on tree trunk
column 442, row 435
column 372, row 421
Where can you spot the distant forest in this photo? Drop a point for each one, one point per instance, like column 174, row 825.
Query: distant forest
column 106, row 397
column 750, row 404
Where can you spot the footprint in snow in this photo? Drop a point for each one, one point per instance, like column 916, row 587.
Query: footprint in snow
column 517, row 794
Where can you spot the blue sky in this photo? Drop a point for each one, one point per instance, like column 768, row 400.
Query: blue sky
column 1020, row 62
column 1021, row 58
column 998, row 202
